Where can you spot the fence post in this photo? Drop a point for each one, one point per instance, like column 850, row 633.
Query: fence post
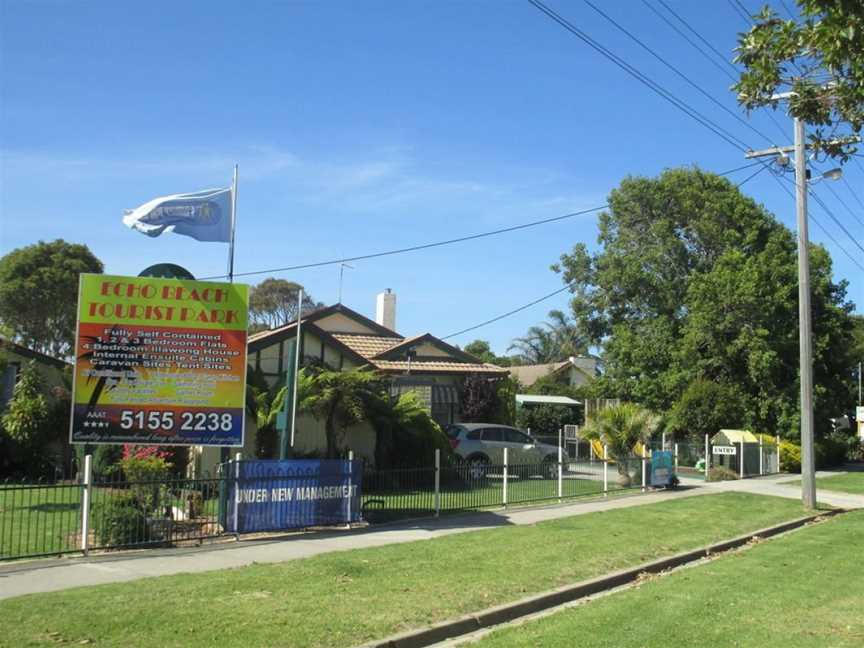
column 707, row 458
column 504, row 489
column 676, row 457
column 560, row 467
column 760, row 456
column 778, row 454
column 237, row 495
column 663, row 442
column 437, row 482
column 644, row 462
column 350, row 475
column 741, row 462
column 85, row 504
column 605, row 470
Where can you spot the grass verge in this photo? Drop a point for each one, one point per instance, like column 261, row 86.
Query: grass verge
column 802, row 589
column 346, row 598
column 852, row 482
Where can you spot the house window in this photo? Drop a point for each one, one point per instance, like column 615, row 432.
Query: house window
column 7, row 383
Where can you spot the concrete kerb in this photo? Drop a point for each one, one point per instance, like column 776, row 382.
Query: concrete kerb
column 539, row 602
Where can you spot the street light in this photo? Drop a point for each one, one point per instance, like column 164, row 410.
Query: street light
column 833, row 174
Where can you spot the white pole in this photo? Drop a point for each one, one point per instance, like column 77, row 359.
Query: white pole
column 741, row 460
column 233, row 224
column 605, row 470
column 437, row 482
column 350, row 474
column 761, row 471
column 85, row 504
column 297, row 342
column 808, row 476
column 778, row 453
column 676, row 458
column 237, row 493
column 504, row 491
column 560, row 467
column 644, row 465
column 707, row 458
column 663, row 442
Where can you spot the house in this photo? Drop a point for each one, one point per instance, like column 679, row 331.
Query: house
column 343, row 339
column 14, row 357
column 56, row 375
column 573, row 371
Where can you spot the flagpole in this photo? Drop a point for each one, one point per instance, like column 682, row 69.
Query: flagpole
column 299, row 340
column 233, row 226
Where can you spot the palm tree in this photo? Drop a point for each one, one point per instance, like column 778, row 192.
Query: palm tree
column 558, row 338
column 340, row 398
column 620, row 428
column 265, row 404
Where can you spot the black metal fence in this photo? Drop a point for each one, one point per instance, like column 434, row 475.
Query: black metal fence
column 44, row 519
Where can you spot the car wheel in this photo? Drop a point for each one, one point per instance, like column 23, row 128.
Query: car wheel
column 477, row 468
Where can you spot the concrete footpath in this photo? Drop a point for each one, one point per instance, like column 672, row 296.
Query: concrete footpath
column 17, row 579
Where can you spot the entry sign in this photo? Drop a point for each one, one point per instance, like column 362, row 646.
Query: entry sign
column 271, row 495
column 724, row 450
column 159, row 361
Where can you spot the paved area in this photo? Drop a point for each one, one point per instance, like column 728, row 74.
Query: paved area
column 17, row 579
column 784, row 486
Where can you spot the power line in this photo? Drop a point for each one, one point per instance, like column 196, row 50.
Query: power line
column 414, row 248
column 762, row 167
column 674, row 69
column 699, row 36
column 677, row 30
column 720, row 55
column 819, row 224
column 751, row 176
column 426, row 246
column 642, row 78
column 843, row 202
column 512, row 312
column 742, row 11
column 830, row 213
column 851, row 190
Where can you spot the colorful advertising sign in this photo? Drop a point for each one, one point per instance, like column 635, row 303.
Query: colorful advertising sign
column 270, row 495
column 159, row 361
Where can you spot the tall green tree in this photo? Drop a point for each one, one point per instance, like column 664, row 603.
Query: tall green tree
column 692, row 281
column 39, row 293
column 820, row 59
column 339, row 398
column 273, row 303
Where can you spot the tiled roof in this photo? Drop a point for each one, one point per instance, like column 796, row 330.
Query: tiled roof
column 435, row 366
column 367, row 345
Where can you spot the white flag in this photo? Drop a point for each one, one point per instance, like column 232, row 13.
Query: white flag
column 204, row 215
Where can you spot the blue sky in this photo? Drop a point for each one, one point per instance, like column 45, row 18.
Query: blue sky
column 360, row 127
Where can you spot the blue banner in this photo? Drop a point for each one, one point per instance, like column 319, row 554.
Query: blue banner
column 662, row 467
column 272, row 495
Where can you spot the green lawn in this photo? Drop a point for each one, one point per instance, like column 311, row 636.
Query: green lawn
column 381, row 505
column 37, row 520
column 804, row 589
column 346, row 598
column 852, row 482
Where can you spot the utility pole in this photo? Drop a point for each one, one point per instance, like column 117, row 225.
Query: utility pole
column 808, row 463
column 805, row 342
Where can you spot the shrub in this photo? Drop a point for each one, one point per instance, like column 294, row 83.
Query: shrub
column 721, row 473
column 546, row 419
column 121, row 521
column 790, row 457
